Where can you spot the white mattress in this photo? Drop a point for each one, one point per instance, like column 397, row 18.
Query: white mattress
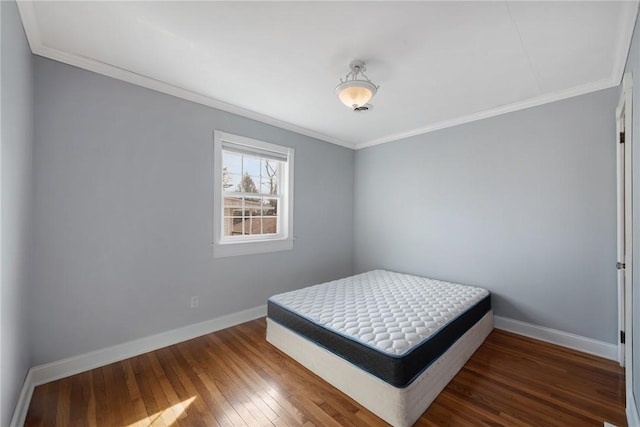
column 388, row 312
column 391, row 341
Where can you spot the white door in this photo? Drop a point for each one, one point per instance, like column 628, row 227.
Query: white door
column 623, row 142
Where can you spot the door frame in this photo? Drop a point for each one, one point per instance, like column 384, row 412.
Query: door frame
column 624, row 217
column 624, row 122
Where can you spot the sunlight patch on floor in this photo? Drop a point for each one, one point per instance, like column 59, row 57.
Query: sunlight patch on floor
column 165, row 417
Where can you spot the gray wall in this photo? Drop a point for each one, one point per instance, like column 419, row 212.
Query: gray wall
column 522, row 204
column 633, row 66
column 16, row 122
column 123, row 214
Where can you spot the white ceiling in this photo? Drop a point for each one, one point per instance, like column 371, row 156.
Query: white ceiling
column 437, row 63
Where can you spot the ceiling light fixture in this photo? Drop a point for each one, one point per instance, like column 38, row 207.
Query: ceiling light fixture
column 355, row 92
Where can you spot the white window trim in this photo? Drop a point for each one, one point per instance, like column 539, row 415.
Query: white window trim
column 261, row 244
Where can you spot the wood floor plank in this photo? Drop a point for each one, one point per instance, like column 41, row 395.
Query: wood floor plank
column 81, row 394
column 64, row 402
column 235, row 378
column 174, row 392
column 203, row 409
column 219, row 371
column 249, row 374
column 243, row 372
column 180, row 370
column 270, row 373
column 541, row 385
column 47, row 397
column 139, row 410
column 100, row 393
column 115, row 410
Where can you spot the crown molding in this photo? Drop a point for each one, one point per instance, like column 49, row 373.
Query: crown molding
column 498, row 111
column 27, row 13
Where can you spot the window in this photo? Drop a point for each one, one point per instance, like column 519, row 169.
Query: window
column 253, row 196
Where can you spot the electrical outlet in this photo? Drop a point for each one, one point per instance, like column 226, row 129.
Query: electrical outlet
column 194, row 302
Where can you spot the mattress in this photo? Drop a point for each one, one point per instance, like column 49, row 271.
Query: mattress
column 400, row 407
column 392, row 325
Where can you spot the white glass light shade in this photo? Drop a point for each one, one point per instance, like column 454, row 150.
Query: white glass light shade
column 355, row 93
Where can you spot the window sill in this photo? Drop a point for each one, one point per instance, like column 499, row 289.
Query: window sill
column 222, row 250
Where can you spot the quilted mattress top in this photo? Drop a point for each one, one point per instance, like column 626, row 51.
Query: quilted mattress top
column 390, row 312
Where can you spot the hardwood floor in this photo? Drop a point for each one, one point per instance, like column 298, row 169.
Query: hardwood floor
column 235, row 378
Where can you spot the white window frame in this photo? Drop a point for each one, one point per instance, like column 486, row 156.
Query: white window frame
column 223, row 246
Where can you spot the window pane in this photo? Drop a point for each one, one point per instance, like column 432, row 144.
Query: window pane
column 252, row 207
column 256, row 182
column 233, row 206
column 270, row 171
column 246, row 226
column 251, row 165
column 268, row 187
column 270, row 168
column 227, row 228
column 270, row 216
column 232, row 215
column 232, row 161
column 231, row 165
column 247, row 184
column 271, row 206
column 253, row 225
column 269, row 225
column 230, row 181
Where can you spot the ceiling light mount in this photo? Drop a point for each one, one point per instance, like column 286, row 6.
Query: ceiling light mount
column 356, row 90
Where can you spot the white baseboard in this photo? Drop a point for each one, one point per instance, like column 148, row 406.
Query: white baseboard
column 22, row 406
column 553, row 336
column 633, row 419
column 73, row 365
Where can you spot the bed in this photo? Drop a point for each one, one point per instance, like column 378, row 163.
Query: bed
column 390, row 341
